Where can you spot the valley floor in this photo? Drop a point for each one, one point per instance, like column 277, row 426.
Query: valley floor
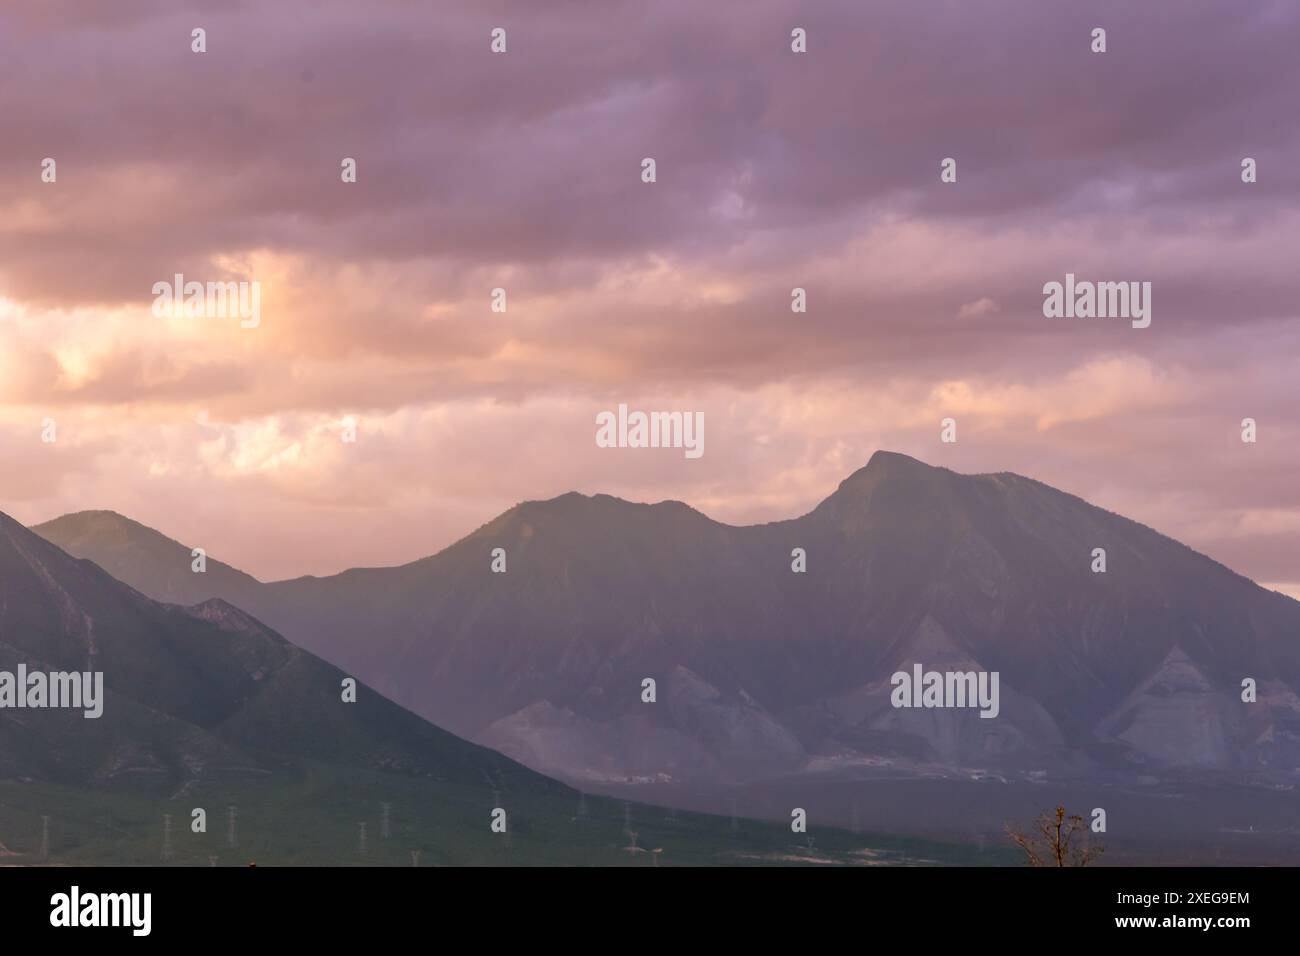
column 1175, row 824
column 315, row 819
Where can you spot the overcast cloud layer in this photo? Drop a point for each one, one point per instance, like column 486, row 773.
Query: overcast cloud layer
column 522, row 170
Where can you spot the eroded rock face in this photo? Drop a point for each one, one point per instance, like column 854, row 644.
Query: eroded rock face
column 1178, row 717
column 705, row 733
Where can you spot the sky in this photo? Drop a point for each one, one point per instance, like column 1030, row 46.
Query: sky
column 522, row 171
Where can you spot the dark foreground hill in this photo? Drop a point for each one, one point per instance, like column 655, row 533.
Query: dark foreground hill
column 189, row 690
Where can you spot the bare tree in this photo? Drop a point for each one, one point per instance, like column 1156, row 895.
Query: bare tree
column 1056, row 839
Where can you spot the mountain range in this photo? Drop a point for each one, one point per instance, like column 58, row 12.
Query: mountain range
column 206, row 708
column 762, row 670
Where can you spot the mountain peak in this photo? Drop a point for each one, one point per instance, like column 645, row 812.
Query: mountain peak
column 97, row 523
column 882, row 466
column 882, row 460
column 142, row 557
column 573, row 504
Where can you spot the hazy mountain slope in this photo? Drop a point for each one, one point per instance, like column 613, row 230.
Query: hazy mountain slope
column 189, row 689
column 760, row 669
column 149, row 561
